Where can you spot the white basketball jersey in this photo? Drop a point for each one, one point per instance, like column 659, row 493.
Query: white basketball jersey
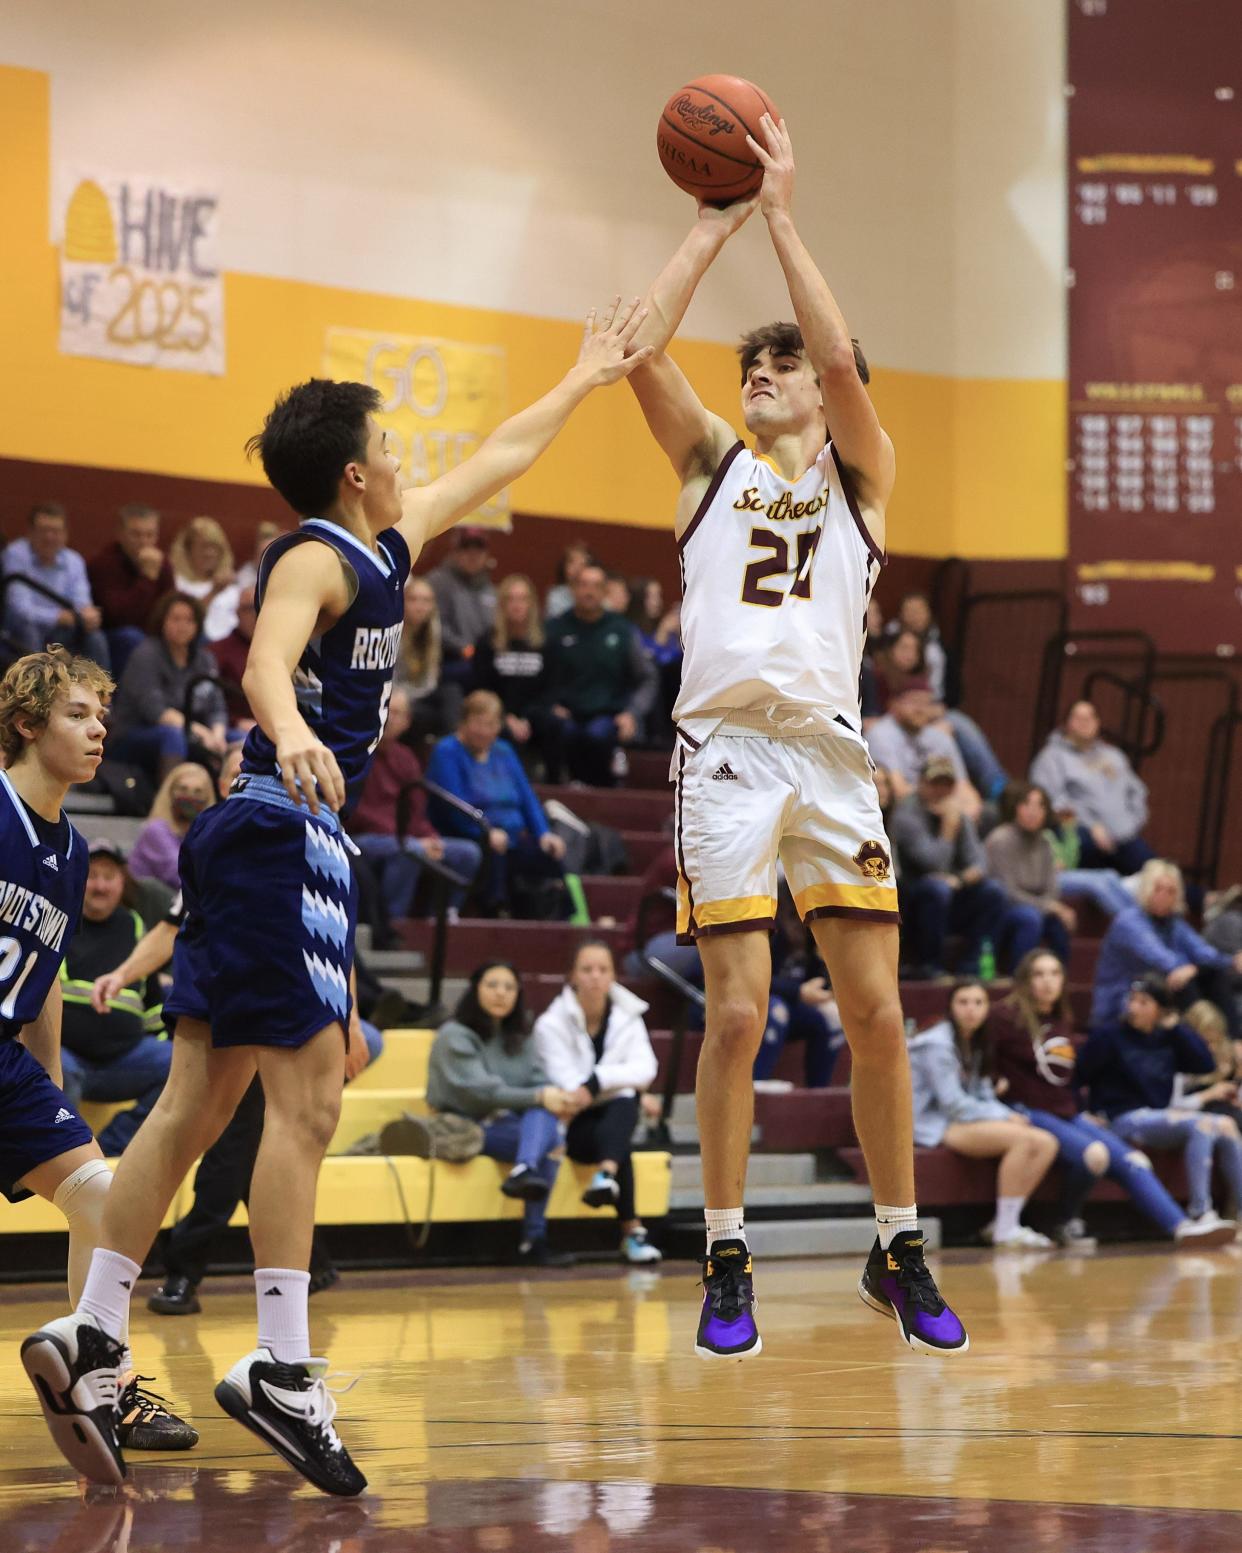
column 775, row 582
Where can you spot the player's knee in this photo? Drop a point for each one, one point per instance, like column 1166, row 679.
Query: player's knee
column 1095, row 1157
column 1042, row 1144
column 81, row 1197
column 1207, row 1125
column 736, row 1023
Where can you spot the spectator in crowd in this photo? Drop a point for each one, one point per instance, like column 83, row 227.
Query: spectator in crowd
column 955, row 1105
column 248, row 574
column 128, row 578
column 801, row 1006
column 1104, row 888
column 944, row 885
column 183, row 795
column 485, row 1065
column 390, row 821
column 882, row 779
column 1021, row 860
column 119, row 1052
column 43, row 554
column 1080, row 771
column 434, row 704
column 1222, row 929
column 202, row 563
column 1129, row 1067
column 659, row 635
column 914, row 614
column 148, row 714
column 508, row 660
column 898, row 662
column 1215, row 1092
column 576, row 554
column 617, row 595
column 658, row 922
column 600, row 686
column 478, row 767
column 230, row 653
column 463, row 588
column 906, row 737
column 1152, row 937
column 1031, row 1039
column 592, row 1042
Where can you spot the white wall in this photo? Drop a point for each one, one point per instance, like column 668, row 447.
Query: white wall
column 500, row 153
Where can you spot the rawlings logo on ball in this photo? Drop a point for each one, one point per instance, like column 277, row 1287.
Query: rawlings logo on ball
column 873, row 861
column 703, row 115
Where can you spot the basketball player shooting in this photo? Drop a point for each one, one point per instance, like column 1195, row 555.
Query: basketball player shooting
column 262, row 963
column 780, row 548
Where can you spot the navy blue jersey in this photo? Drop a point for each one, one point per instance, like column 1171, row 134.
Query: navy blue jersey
column 43, row 868
column 344, row 679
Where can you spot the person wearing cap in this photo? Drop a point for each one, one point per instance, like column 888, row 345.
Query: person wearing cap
column 121, row 1053
column 1153, row 937
column 1129, row 1069
column 466, row 599
column 906, row 738
column 943, row 880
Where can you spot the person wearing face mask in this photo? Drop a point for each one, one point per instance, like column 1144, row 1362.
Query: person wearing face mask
column 184, row 793
column 122, row 1052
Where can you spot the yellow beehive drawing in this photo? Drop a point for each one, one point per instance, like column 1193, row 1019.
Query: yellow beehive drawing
column 90, row 234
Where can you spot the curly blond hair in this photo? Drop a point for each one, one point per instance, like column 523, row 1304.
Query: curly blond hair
column 29, row 689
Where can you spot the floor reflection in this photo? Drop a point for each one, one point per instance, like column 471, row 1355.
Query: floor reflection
column 240, row 1512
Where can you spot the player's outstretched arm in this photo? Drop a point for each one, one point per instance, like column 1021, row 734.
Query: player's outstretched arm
column 693, row 440
column 41, row 1037
column 857, row 435
column 307, row 583
column 151, row 953
column 607, row 354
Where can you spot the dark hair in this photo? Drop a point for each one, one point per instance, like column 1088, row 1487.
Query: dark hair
column 786, row 340
column 562, row 566
column 591, row 943
column 46, row 509
column 469, row 1012
column 975, row 1054
column 309, row 436
column 1016, row 794
column 637, row 612
column 166, row 601
column 135, row 509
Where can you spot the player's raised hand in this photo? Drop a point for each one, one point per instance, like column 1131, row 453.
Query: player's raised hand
column 776, row 154
column 309, row 771
column 726, row 219
column 607, row 353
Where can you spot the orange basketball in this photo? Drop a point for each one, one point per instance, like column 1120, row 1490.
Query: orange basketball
column 702, row 137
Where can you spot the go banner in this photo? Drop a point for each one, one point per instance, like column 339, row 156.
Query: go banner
column 441, row 398
column 140, row 278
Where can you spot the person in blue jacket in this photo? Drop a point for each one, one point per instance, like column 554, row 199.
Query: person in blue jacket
column 478, row 767
column 1154, row 938
column 1129, row 1069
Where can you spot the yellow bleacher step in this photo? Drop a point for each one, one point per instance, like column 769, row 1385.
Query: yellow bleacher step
column 366, row 1110
column 402, row 1064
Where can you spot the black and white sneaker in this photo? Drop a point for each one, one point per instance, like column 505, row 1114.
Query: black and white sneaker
column 146, row 1423
column 74, row 1367
column 526, row 1184
column 290, row 1407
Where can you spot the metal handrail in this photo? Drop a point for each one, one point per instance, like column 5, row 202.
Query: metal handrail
column 1065, row 644
column 445, row 879
column 12, row 579
column 1133, row 737
column 1221, row 740
column 691, row 997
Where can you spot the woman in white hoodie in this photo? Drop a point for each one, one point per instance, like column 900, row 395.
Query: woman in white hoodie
column 593, row 1043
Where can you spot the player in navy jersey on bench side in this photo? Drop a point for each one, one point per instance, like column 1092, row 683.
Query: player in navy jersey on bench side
column 262, row 962
column 51, row 736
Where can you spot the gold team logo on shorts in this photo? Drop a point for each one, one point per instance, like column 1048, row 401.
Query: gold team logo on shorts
column 872, row 860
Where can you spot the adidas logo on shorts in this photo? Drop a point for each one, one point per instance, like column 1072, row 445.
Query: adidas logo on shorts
column 62, row 1116
column 725, row 773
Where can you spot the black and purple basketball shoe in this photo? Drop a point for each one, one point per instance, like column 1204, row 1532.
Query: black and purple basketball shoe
column 897, row 1283
column 727, row 1327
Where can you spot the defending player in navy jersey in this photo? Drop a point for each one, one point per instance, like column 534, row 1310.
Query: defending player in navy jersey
column 51, row 735
column 262, row 962
column 780, row 548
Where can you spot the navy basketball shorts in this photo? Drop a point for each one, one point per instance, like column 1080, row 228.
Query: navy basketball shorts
column 265, row 950
column 37, row 1123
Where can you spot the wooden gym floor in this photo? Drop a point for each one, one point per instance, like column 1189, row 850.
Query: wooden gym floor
column 1099, row 1408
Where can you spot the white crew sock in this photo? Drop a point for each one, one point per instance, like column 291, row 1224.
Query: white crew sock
column 1008, row 1215
column 284, row 1324
column 724, row 1224
column 109, row 1288
column 892, row 1221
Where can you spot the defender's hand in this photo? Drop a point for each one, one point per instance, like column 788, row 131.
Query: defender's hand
column 607, row 353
